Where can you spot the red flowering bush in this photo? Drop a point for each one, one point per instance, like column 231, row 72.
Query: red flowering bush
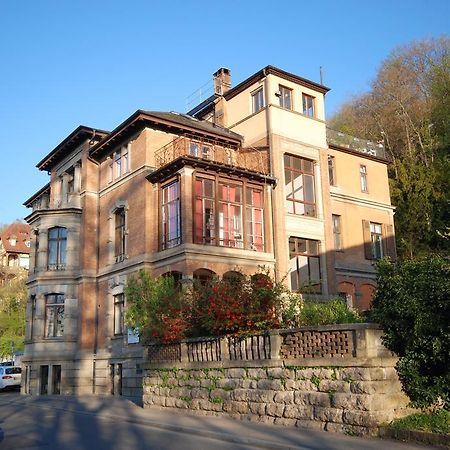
column 237, row 305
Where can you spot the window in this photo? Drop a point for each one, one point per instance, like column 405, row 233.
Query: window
column 337, row 232
column 119, row 164
column 54, row 315
column 204, row 211
column 200, row 150
column 299, row 186
column 230, row 215
column 257, row 100
column 194, row 149
column 308, row 105
column 379, row 240
column 171, row 217
column 219, row 214
column 57, row 247
column 254, row 218
column 119, row 234
column 118, row 314
column 304, row 263
column 376, row 240
column 331, row 171
column 363, row 178
column 285, row 95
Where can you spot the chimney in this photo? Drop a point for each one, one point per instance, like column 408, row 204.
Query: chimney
column 222, row 81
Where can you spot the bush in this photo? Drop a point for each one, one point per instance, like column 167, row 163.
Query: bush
column 412, row 305
column 156, row 308
column 327, row 313
column 239, row 305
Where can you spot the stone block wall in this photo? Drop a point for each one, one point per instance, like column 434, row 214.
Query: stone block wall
column 340, row 392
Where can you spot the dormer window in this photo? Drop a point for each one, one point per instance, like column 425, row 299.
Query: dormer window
column 13, row 241
column 28, row 244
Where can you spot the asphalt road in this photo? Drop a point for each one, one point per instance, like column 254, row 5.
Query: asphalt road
column 59, row 423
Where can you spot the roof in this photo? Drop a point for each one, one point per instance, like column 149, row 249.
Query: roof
column 171, row 122
column 18, row 231
column 207, row 104
column 74, row 139
column 271, row 70
column 42, row 191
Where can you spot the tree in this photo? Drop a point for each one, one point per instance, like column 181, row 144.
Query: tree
column 13, row 298
column 408, row 106
column 412, row 305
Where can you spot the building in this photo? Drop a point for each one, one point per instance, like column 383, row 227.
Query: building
column 249, row 177
column 14, row 252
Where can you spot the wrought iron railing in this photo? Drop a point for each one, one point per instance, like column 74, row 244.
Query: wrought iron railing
column 254, row 159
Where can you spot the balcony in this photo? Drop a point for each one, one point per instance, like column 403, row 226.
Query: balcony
column 250, row 159
column 356, row 144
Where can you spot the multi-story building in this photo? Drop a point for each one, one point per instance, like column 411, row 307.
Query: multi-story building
column 14, row 251
column 249, row 177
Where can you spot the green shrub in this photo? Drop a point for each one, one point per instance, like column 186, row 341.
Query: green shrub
column 412, row 304
column 326, row 313
column 156, row 307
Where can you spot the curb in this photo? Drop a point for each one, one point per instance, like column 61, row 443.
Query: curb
column 422, row 437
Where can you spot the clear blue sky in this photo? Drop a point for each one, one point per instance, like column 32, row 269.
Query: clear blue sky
column 66, row 63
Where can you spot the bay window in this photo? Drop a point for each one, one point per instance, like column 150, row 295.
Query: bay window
column 221, row 209
column 57, row 248
column 299, row 186
column 304, row 261
column 171, row 216
column 54, row 315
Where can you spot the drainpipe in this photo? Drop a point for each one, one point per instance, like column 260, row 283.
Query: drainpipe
column 269, row 136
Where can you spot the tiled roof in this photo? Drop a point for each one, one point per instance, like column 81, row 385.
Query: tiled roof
column 167, row 121
column 18, row 231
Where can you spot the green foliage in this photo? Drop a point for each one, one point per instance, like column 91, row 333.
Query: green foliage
column 333, row 311
column 433, row 422
column 156, row 307
column 412, row 304
column 13, row 298
column 408, row 107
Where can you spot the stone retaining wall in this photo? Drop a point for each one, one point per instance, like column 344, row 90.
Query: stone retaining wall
column 352, row 391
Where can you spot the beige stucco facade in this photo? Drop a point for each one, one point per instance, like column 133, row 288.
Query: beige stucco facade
column 107, row 204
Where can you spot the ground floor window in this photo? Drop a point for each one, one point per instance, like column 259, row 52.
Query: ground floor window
column 304, row 261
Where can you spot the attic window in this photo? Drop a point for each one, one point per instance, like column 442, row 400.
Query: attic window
column 28, row 244
column 13, row 241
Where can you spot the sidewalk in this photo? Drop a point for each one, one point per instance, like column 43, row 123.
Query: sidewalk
column 221, row 428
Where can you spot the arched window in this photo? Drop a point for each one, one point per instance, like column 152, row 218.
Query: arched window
column 233, row 276
column 203, row 276
column 57, row 248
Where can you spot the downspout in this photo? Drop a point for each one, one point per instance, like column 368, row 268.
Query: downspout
column 269, row 139
column 97, row 289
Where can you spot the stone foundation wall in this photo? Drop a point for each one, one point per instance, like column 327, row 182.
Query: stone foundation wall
column 340, row 393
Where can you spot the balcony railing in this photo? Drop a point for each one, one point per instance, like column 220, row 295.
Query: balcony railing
column 357, row 144
column 254, row 159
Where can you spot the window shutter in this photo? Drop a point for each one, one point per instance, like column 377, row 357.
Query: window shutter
column 389, row 241
column 367, row 242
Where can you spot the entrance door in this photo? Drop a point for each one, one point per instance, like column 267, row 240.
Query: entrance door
column 56, row 380
column 44, row 380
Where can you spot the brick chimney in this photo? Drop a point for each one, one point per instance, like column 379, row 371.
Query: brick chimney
column 222, row 81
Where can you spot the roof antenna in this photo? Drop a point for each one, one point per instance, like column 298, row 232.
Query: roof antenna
column 321, row 75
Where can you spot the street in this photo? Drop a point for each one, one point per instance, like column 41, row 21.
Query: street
column 108, row 423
